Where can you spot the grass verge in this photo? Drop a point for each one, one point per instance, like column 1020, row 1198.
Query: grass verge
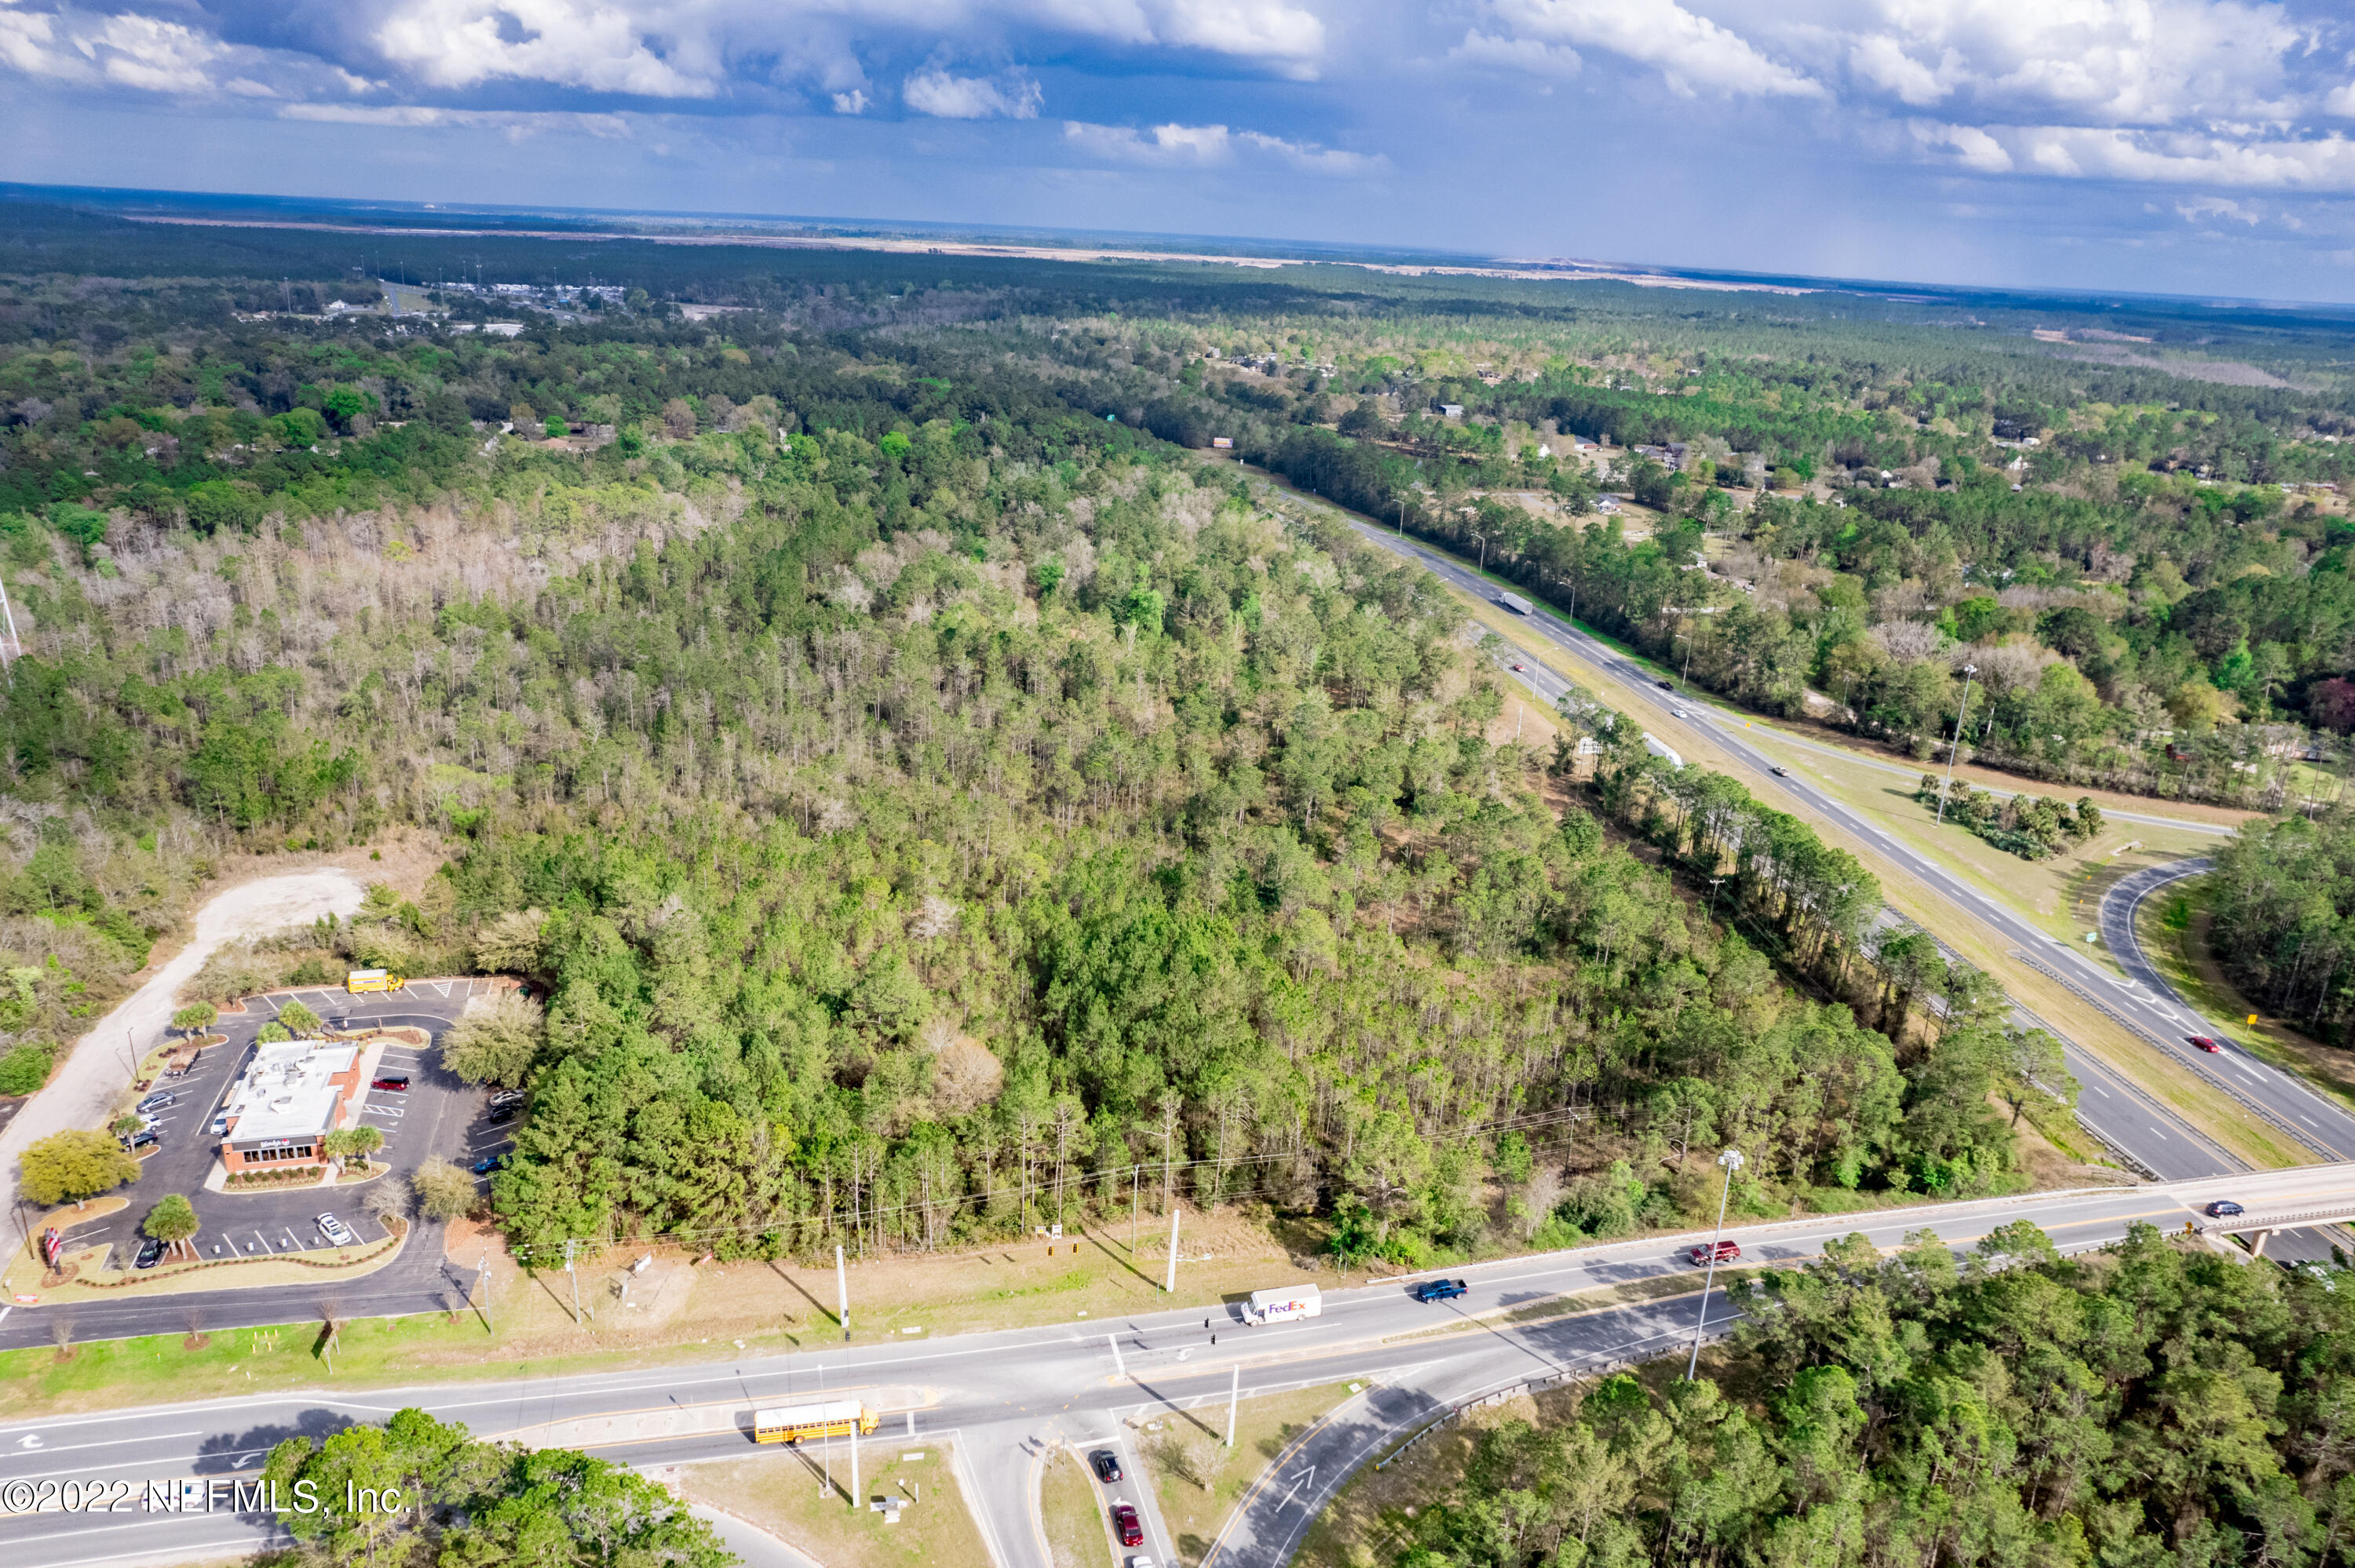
column 1071, row 1515
column 779, row 1491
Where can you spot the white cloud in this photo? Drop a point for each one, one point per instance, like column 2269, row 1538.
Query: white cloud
column 946, row 97
column 603, row 47
column 1178, row 146
column 2223, row 158
column 1166, row 145
column 514, row 124
column 851, row 103
column 2112, row 62
column 1289, row 36
column 1534, row 56
column 1310, row 158
column 2204, row 209
column 1692, row 53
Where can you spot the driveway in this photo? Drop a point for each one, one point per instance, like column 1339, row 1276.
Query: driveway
column 86, row 1087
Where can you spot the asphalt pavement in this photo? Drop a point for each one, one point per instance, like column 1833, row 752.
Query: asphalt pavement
column 438, row 1114
column 996, row 1392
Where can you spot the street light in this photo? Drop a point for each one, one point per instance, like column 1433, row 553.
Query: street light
column 1732, row 1160
column 1968, row 670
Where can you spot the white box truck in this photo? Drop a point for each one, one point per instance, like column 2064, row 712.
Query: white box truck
column 1662, row 749
column 1517, row 604
column 1283, row 1305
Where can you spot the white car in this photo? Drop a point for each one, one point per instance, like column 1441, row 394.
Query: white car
column 336, row 1230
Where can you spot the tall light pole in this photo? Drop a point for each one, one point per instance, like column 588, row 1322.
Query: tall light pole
column 1732, row 1160
column 1968, row 670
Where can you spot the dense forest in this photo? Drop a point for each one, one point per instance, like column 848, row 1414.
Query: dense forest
column 927, row 805
column 420, row 1491
column 2143, row 1406
column 2282, row 918
column 929, row 798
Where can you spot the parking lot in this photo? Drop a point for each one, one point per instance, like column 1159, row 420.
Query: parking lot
column 436, row 1115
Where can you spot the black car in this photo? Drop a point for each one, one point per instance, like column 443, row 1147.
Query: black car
column 1440, row 1289
column 151, row 1254
column 1107, row 1466
column 2224, row 1208
column 501, row 1115
column 1666, row 685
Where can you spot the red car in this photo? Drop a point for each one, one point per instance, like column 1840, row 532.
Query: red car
column 1725, row 1252
column 395, row 1084
column 1123, row 1521
column 2203, row 1043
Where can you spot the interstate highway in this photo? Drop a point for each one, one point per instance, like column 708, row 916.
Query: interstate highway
column 2157, row 1013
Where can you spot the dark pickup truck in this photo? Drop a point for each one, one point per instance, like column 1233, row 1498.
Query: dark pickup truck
column 1440, row 1289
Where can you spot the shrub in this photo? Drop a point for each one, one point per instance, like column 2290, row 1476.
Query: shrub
column 24, row 1070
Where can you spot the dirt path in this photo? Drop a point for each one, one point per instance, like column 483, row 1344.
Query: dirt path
column 84, row 1090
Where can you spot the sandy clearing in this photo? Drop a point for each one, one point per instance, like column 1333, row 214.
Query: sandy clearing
column 84, row 1090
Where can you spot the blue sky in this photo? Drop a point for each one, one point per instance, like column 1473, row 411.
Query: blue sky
column 2198, row 147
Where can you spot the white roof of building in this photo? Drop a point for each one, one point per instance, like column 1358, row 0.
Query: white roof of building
column 288, row 1091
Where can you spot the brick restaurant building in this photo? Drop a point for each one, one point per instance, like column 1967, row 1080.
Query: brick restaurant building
column 289, row 1096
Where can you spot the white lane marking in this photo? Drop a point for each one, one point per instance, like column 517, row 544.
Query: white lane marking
column 2155, row 1133
column 2308, row 1120
column 34, row 1441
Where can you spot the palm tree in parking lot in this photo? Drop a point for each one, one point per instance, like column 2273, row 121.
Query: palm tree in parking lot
column 353, row 1143
column 173, row 1221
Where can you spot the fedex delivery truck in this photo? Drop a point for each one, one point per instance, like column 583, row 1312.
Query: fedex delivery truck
column 1283, row 1305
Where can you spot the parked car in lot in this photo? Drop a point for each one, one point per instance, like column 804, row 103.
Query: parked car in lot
column 161, row 1099
column 501, row 1115
column 147, row 1139
column 489, row 1163
column 1124, row 1519
column 2224, row 1208
column 1440, row 1289
column 1724, row 1252
column 150, row 1254
column 391, row 1083
column 336, row 1230
column 2203, row 1043
column 508, row 1098
column 1106, row 1464
column 220, row 1121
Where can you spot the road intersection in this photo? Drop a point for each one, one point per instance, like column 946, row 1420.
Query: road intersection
column 1007, row 1398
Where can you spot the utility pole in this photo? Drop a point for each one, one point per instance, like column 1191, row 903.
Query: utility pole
column 576, row 1283
column 1234, row 1392
column 1732, row 1160
column 10, row 647
column 1135, row 1173
column 854, row 1460
column 842, row 1293
column 1172, row 1286
column 1968, row 670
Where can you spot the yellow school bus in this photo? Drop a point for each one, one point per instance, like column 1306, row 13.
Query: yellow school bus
column 797, row 1423
column 360, row 981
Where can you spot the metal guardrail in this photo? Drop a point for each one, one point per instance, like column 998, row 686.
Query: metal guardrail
column 1600, row 1365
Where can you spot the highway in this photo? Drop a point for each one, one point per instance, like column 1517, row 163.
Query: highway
column 1006, row 1399
column 2134, row 999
